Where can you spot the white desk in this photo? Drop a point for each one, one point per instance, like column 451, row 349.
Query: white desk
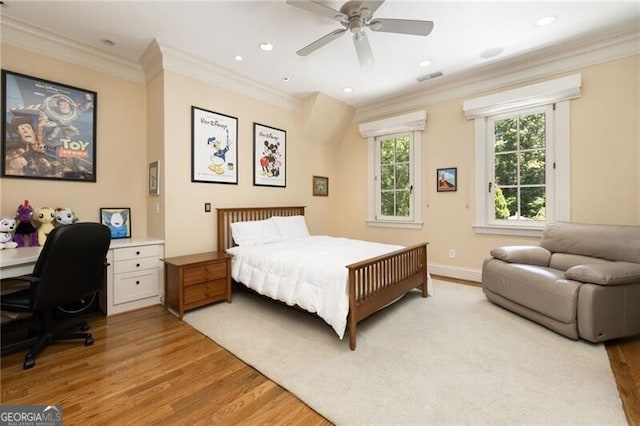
column 134, row 275
column 18, row 261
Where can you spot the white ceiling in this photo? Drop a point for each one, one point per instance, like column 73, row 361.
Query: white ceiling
column 216, row 31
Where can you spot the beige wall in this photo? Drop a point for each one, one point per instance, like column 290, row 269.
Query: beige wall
column 121, row 145
column 605, row 171
column 142, row 123
column 188, row 228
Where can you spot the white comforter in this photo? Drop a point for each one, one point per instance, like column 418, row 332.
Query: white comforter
column 309, row 272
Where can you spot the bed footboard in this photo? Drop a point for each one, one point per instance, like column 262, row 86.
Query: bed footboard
column 376, row 282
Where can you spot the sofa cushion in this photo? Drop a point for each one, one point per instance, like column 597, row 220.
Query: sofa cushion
column 531, row 255
column 609, row 273
column 613, row 242
column 544, row 290
column 564, row 261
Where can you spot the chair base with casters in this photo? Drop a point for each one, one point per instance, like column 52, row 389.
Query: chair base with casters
column 46, row 335
column 71, row 266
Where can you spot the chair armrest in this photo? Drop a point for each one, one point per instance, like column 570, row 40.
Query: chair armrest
column 609, row 273
column 529, row 255
column 22, row 278
column 13, row 284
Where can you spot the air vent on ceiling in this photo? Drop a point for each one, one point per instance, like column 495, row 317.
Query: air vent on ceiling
column 430, row 76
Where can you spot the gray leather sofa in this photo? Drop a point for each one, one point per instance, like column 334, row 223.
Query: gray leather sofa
column 582, row 280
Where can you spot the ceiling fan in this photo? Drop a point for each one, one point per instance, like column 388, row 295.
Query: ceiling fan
column 356, row 16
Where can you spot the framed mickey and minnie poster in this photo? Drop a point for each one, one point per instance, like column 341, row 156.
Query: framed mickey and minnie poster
column 269, row 156
column 48, row 129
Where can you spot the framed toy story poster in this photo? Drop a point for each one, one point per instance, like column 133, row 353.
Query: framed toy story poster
column 48, row 129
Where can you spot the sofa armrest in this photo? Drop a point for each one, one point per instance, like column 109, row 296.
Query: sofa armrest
column 530, row 255
column 610, row 273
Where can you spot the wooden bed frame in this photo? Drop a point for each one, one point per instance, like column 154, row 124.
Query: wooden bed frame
column 373, row 283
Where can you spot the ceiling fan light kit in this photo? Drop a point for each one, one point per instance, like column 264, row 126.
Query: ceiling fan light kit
column 357, row 16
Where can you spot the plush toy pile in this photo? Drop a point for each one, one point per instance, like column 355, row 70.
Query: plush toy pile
column 30, row 226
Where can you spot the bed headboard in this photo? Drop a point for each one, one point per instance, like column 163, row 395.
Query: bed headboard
column 243, row 214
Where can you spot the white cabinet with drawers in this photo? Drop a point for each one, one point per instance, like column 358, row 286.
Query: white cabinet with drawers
column 135, row 274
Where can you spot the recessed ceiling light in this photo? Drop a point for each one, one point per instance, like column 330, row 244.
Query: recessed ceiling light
column 490, row 53
column 108, row 42
column 286, row 79
column 266, row 46
column 424, row 63
column 347, row 90
column 543, row 22
column 237, row 58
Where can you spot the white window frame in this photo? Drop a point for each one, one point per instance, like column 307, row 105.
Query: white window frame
column 559, row 92
column 413, row 122
column 549, row 162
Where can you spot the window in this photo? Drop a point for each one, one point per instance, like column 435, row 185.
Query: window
column 522, row 157
column 393, row 177
column 394, row 172
column 518, row 155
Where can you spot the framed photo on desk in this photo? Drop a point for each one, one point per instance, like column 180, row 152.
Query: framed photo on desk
column 118, row 219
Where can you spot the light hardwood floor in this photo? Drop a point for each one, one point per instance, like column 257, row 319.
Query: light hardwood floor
column 148, row 367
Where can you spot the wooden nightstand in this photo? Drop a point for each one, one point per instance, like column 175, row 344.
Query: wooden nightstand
column 196, row 280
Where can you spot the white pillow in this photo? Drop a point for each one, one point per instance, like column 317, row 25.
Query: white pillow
column 253, row 233
column 291, row 227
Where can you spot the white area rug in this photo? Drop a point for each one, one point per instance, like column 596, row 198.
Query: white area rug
column 453, row 358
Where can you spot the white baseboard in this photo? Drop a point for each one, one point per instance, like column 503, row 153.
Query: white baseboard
column 453, row 272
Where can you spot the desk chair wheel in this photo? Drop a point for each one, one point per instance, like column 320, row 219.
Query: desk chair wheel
column 88, row 341
column 29, row 362
column 84, row 327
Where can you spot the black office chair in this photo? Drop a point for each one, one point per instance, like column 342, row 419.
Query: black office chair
column 71, row 266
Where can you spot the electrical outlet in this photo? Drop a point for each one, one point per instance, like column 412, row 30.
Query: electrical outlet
column 207, row 207
column 452, row 253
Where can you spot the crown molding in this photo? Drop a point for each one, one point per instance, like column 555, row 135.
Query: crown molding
column 155, row 58
column 25, row 36
column 572, row 55
column 543, row 63
column 183, row 63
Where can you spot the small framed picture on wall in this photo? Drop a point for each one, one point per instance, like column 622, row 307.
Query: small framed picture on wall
column 447, row 179
column 321, row 186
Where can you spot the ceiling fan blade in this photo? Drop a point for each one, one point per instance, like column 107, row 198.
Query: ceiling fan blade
column 321, row 42
column 402, row 26
column 363, row 49
column 320, row 9
column 371, row 6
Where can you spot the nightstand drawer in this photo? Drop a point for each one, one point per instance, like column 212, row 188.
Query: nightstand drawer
column 203, row 273
column 210, row 291
column 136, row 252
column 133, row 265
column 135, row 286
column 196, row 280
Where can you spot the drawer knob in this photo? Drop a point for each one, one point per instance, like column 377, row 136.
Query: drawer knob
column 137, row 265
column 137, row 252
column 137, row 282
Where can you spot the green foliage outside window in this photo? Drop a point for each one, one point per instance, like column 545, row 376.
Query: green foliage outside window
column 395, row 176
column 520, row 167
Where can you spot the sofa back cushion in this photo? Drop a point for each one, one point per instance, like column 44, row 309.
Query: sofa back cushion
column 564, row 261
column 612, row 242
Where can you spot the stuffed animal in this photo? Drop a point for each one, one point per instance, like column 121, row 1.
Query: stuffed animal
column 64, row 216
column 26, row 233
column 7, row 228
column 44, row 217
column 117, row 223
